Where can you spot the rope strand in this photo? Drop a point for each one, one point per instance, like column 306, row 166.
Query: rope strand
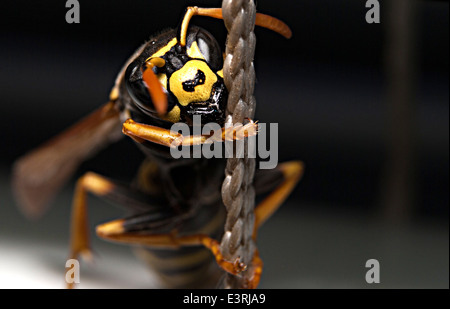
column 237, row 190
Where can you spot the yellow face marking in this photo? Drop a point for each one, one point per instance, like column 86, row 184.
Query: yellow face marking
column 162, row 79
column 220, row 73
column 163, row 50
column 173, row 115
column 201, row 92
column 194, row 51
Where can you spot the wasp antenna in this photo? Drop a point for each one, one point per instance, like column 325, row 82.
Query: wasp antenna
column 261, row 20
column 192, row 11
column 273, row 24
column 159, row 98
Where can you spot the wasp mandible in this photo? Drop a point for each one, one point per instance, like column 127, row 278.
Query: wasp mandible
column 177, row 213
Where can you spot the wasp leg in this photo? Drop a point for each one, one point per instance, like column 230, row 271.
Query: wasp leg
column 261, row 20
column 291, row 173
column 79, row 228
column 140, row 132
column 117, row 231
column 102, row 187
column 256, row 269
column 286, row 176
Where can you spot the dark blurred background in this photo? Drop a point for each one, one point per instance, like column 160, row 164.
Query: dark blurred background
column 345, row 94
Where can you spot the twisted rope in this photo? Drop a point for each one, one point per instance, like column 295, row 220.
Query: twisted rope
column 237, row 190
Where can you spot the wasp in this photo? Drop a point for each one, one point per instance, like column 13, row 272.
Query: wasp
column 175, row 210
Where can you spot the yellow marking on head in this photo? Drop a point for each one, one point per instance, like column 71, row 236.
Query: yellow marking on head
column 163, row 50
column 220, row 73
column 194, row 51
column 173, row 115
column 187, row 72
column 162, row 79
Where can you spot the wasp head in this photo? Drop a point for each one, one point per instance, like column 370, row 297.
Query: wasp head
column 174, row 82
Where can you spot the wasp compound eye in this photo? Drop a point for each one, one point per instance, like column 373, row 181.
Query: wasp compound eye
column 208, row 47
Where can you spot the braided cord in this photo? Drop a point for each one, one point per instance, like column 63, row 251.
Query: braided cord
column 237, row 190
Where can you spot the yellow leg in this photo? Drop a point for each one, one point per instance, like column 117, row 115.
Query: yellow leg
column 115, row 231
column 257, row 267
column 98, row 185
column 79, row 242
column 140, row 132
column 292, row 172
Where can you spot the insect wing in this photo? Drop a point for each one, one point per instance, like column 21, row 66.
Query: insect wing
column 38, row 175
